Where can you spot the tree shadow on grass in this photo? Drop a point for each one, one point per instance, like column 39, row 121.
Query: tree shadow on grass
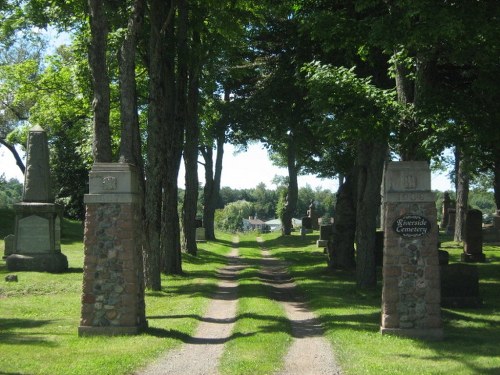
column 269, row 324
column 17, row 332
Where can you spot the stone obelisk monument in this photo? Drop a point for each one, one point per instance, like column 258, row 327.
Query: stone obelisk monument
column 37, row 237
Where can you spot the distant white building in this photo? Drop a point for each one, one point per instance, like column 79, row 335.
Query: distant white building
column 253, row 224
column 274, row 224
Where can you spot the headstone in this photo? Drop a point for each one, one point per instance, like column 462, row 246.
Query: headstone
column 8, row 245
column 37, row 243
column 325, row 234
column 450, row 228
column 113, row 285
column 200, row 234
column 444, row 212
column 411, row 285
column 473, row 242
column 311, row 213
column 491, row 233
column 460, row 286
column 199, row 222
column 306, row 223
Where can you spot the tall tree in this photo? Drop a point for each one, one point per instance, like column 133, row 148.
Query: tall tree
column 100, row 80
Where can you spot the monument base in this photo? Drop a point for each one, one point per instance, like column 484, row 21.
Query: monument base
column 322, row 243
column 111, row 330
column 473, row 258
column 52, row 262
column 433, row 334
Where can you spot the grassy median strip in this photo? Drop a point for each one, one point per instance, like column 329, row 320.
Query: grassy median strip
column 39, row 315
column 261, row 334
column 352, row 317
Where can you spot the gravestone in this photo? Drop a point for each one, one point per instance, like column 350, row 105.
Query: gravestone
column 460, row 286
column 8, row 245
column 491, row 233
column 311, row 213
column 444, row 212
column 450, row 228
column 411, row 284
column 306, row 225
column 200, row 230
column 473, row 242
column 325, row 235
column 113, row 285
column 37, row 237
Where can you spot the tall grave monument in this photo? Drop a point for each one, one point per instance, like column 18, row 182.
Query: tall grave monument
column 37, row 237
column 113, row 285
column 411, row 284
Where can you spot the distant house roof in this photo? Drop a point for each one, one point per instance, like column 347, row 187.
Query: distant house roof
column 273, row 222
column 256, row 222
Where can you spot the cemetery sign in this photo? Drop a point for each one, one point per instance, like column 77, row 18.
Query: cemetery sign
column 409, row 226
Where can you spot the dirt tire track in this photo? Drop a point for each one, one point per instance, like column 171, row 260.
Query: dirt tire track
column 310, row 353
column 200, row 354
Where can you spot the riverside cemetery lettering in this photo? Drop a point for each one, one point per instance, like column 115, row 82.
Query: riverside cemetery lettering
column 408, row 226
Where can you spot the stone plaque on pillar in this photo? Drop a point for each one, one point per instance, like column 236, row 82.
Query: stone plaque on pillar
column 411, row 284
column 113, row 285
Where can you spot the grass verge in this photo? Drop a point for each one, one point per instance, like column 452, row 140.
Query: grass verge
column 352, row 318
column 262, row 334
column 40, row 314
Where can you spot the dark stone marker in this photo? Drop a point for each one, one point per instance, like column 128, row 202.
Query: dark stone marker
column 306, row 223
column 325, row 235
column 450, row 228
column 444, row 212
column 460, row 286
column 473, row 244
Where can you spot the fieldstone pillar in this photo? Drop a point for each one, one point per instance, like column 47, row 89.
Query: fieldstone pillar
column 113, row 285
column 411, row 285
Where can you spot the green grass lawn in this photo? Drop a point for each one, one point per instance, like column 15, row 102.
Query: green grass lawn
column 39, row 316
column 352, row 318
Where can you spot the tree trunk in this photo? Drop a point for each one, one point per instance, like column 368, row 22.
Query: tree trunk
column 213, row 174
column 462, row 196
column 130, row 141
column 370, row 164
column 293, row 188
column 190, row 206
column 341, row 249
column 155, row 146
column 496, row 178
column 100, row 81
column 410, row 91
column 176, row 98
column 130, row 145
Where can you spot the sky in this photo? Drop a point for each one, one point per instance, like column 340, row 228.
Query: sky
column 240, row 171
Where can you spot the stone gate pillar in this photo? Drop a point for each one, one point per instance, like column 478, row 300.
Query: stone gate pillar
column 113, row 285
column 411, row 292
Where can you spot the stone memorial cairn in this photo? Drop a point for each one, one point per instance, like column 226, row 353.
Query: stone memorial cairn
column 113, row 285
column 36, row 244
column 411, row 284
